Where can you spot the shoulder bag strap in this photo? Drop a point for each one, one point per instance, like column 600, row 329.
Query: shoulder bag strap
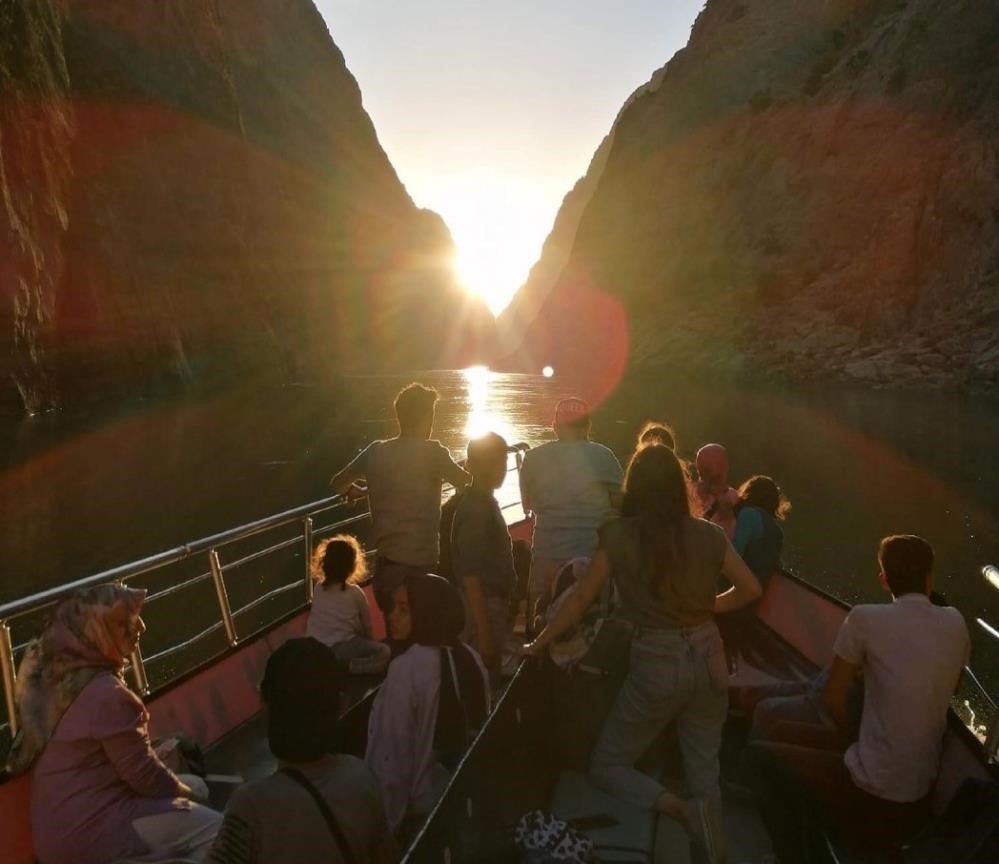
column 338, row 836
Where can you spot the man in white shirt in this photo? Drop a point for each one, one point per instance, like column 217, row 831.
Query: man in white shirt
column 911, row 653
column 404, row 478
column 572, row 485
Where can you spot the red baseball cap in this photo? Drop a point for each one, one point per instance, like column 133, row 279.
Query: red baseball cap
column 570, row 410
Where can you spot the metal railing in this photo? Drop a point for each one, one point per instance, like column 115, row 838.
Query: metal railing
column 212, row 548
column 346, row 516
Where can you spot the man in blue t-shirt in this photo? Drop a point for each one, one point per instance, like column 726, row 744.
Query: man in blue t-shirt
column 572, row 485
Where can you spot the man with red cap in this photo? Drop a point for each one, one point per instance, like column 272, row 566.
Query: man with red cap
column 572, row 485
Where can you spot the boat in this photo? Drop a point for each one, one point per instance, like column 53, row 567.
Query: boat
column 511, row 767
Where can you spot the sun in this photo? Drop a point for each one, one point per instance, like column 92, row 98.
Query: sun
column 498, row 223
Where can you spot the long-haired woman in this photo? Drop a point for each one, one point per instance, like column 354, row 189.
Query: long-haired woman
column 665, row 564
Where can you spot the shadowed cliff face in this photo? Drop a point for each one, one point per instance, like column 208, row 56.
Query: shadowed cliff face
column 811, row 191
column 193, row 192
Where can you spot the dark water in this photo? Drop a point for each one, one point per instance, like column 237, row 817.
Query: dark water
column 84, row 492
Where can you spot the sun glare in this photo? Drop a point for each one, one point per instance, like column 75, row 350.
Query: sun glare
column 498, row 224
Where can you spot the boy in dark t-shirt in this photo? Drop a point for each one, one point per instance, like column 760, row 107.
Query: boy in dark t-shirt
column 481, row 551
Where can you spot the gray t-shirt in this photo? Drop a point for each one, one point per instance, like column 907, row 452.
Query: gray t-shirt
column 404, row 477
column 480, row 543
column 568, row 484
column 683, row 598
column 274, row 820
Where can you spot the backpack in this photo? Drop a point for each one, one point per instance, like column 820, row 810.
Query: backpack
column 599, row 643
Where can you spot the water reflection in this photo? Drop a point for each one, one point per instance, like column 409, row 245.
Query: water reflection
column 484, row 414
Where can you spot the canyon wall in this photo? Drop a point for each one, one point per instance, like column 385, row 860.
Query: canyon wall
column 811, row 191
column 193, row 192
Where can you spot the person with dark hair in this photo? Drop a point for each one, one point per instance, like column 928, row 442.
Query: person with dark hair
column 340, row 617
column 482, row 552
column 759, row 540
column 99, row 791
column 656, row 432
column 912, row 654
column 572, row 486
column 665, row 565
column 435, row 696
column 404, row 480
column 318, row 807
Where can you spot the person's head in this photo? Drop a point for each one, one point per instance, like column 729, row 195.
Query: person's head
column 906, row 563
column 301, row 689
column 487, row 460
column 712, row 466
column 656, row 482
column 414, row 409
column 656, row 491
column 656, row 432
column 426, row 610
column 100, row 625
column 572, row 420
column 763, row 492
column 338, row 561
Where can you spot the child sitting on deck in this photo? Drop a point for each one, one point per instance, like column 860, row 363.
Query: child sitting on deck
column 481, row 552
column 340, row 617
column 715, row 497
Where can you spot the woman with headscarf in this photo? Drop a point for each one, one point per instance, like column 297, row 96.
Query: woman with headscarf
column 99, row 793
column 434, row 697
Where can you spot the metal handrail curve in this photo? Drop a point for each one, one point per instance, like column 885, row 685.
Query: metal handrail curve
column 171, row 556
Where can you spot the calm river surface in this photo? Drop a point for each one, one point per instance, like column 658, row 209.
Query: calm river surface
column 80, row 493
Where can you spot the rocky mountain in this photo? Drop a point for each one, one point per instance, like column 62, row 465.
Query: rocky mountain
column 811, row 191
column 192, row 191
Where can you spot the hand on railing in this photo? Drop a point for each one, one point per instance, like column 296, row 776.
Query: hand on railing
column 356, row 492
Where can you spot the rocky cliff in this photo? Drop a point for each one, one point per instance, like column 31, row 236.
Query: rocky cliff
column 811, row 190
column 193, row 191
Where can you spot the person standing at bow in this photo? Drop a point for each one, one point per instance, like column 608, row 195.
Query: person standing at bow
column 404, row 479
column 572, row 485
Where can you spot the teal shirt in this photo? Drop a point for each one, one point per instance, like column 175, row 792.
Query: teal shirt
column 759, row 540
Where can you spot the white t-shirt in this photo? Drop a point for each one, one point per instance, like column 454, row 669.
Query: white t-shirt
column 567, row 484
column 404, row 477
column 338, row 615
column 912, row 654
column 400, row 751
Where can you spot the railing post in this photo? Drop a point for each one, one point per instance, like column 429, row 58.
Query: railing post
column 308, row 558
column 9, row 676
column 139, row 672
column 217, row 578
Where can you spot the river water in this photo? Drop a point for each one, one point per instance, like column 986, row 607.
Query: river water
column 84, row 492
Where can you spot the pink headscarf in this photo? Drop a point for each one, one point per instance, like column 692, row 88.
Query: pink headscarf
column 77, row 645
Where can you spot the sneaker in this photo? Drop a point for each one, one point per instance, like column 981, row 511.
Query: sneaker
column 704, row 824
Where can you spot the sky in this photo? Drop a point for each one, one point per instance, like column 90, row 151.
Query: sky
column 490, row 111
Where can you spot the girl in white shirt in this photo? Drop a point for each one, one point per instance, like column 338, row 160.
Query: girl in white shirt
column 434, row 698
column 340, row 617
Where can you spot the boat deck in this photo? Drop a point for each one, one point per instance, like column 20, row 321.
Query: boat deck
column 638, row 837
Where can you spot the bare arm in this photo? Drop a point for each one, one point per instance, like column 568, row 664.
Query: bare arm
column 364, row 612
column 579, row 601
column 837, row 690
column 477, row 603
column 350, row 474
column 745, row 586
